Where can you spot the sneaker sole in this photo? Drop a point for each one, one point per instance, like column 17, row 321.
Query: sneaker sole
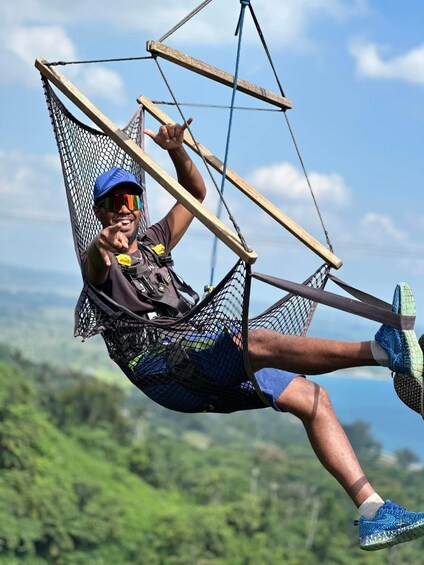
column 410, row 341
column 409, row 389
column 385, row 540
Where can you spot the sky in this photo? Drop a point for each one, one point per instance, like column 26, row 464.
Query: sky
column 354, row 70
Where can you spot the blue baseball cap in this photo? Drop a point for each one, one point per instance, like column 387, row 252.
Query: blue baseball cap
column 111, row 179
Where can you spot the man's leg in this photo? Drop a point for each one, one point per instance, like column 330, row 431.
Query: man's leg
column 306, row 355
column 397, row 349
column 381, row 524
column 311, row 404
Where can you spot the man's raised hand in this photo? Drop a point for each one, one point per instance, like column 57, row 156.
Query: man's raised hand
column 169, row 136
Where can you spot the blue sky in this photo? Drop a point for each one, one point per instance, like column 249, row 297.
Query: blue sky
column 353, row 69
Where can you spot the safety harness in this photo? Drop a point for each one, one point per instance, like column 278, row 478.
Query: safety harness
column 152, row 275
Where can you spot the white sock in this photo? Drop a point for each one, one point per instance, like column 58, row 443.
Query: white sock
column 370, row 506
column 380, row 354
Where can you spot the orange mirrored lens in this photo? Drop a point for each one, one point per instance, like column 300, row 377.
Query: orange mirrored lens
column 114, row 203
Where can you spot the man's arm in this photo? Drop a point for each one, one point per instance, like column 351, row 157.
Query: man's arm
column 100, row 253
column 170, row 137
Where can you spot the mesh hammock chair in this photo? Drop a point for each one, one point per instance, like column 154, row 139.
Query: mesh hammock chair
column 165, row 358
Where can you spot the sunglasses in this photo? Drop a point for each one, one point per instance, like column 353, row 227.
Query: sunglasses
column 114, row 203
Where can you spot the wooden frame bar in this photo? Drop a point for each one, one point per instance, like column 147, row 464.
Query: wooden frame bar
column 201, row 68
column 248, row 190
column 147, row 163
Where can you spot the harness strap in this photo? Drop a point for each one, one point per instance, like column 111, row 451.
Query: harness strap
column 154, row 289
column 367, row 306
column 165, row 260
column 175, row 306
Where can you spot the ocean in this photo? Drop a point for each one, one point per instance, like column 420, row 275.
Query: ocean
column 393, row 425
column 367, row 394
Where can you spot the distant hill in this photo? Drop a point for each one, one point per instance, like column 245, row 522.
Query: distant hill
column 37, row 316
column 16, row 279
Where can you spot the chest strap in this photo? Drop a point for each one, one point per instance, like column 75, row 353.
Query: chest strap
column 152, row 277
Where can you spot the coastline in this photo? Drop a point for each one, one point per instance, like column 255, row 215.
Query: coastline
column 372, row 399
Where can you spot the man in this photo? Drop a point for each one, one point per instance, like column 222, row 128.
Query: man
column 117, row 205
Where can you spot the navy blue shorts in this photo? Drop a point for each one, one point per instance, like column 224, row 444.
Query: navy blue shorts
column 273, row 382
column 220, row 382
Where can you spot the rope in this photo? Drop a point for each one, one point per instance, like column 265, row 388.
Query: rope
column 184, row 119
column 232, row 107
column 327, row 237
column 215, row 106
column 267, row 51
column 239, row 33
column 268, row 54
column 57, row 63
column 185, row 20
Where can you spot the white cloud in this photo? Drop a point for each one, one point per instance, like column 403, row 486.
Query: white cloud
column 21, row 45
column 382, row 229
column 49, row 28
column 32, row 185
column 370, row 62
column 104, row 83
column 286, row 24
column 49, row 41
column 285, row 181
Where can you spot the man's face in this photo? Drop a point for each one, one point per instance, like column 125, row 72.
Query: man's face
column 118, row 211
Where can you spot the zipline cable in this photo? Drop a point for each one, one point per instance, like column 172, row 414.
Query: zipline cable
column 239, row 33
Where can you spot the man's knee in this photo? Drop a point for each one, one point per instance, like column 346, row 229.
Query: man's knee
column 305, row 399
column 324, row 400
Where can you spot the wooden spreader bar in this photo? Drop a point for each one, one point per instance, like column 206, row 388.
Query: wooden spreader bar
column 147, row 163
column 208, row 71
column 248, row 190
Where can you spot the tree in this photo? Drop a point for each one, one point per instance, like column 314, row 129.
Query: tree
column 94, row 404
column 362, row 441
column 405, row 458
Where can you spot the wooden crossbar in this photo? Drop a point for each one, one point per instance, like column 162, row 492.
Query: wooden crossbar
column 248, row 190
column 208, row 71
column 147, row 163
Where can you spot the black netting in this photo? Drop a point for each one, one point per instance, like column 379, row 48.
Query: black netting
column 86, row 153
column 191, row 364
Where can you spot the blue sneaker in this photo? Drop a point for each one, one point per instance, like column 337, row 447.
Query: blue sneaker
column 391, row 525
column 405, row 354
